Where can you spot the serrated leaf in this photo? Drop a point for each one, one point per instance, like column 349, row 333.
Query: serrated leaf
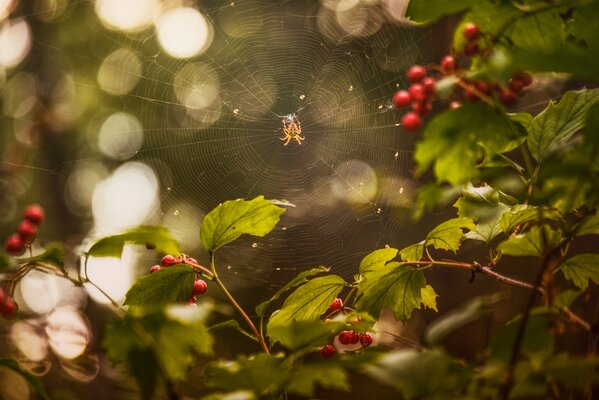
column 522, row 213
column 299, row 279
column 413, row 252
column 588, row 226
column 557, row 123
column 394, row 286
column 428, row 11
column 448, row 235
column 172, row 284
column 234, row 218
column 305, row 377
column 261, row 373
column 377, row 259
column 429, row 297
column 580, row 268
column 308, row 302
column 28, row 376
column 112, row 246
column 298, row 335
column 530, row 243
column 485, row 232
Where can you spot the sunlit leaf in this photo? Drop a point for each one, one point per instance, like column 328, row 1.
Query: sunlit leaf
column 232, row 219
column 429, row 297
column 377, row 259
column 412, row 252
column 522, row 213
column 297, row 335
column 588, row 226
column 172, row 284
column 530, row 243
column 580, row 268
column 448, row 235
column 158, row 236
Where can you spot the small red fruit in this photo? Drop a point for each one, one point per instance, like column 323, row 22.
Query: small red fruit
column 8, row 307
column 191, row 261
column 448, row 63
column 483, row 86
column 348, row 337
column 199, row 287
column 416, row 73
column 471, row 93
column 27, row 230
column 411, row 121
column 154, row 268
column 417, row 92
column 470, row 49
column 525, row 77
column 34, row 213
column 402, row 99
column 14, row 245
column 423, row 108
column 191, row 301
column 366, row 339
column 327, row 351
column 471, row 31
column 337, row 304
column 507, row 97
column 168, row 260
column 429, row 85
column 516, row 85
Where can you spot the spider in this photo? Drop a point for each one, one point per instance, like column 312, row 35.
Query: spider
column 292, row 129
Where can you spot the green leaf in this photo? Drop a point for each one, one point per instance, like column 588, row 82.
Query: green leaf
column 393, row 286
column 428, row 11
column 530, row 243
column 567, row 297
column 572, row 372
column 308, row 302
column 432, row 196
column 538, row 337
column 377, row 259
column 298, row 335
column 448, row 235
column 112, row 246
column 299, row 279
column 261, row 373
column 172, row 284
column 305, row 377
column 4, row 261
column 235, row 395
column 53, row 254
column 580, row 268
column 429, row 297
column 28, row 376
column 232, row 219
column 588, row 226
column 412, row 252
column 557, row 123
column 522, row 213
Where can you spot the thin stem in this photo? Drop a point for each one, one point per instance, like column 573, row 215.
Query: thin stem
column 237, row 306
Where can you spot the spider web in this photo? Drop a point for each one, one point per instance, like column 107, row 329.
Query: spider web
column 349, row 180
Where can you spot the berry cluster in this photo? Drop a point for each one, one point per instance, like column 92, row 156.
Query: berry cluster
column 199, row 286
column 27, row 231
column 418, row 96
column 8, row 307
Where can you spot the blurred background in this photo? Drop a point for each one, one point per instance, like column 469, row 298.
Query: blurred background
column 117, row 113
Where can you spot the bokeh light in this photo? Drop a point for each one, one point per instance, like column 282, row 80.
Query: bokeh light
column 121, row 136
column 354, row 181
column 6, row 7
column 120, row 71
column 29, row 338
column 19, row 95
column 127, row 15
column 111, row 274
column 196, row 86
column 183, row 32
column 15, row 42
column 68, row 332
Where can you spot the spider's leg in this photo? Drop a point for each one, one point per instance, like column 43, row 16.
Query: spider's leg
column 287, row 142
column 284, row 137
column 298, row 139
column 301, row 137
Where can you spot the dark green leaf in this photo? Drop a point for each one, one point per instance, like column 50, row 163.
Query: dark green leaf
column 428, row 11
column 588, row 226
column 522, row 213
column 530, row 243
column 236, row 395
column 448, row 235
column 413, row 252
column 112, row 246
column 538, row 337
column 580, row 268
column 261, row 373
column 28, row 376
column 144, row 368
column 393, row 286
column 578, row 373
column 566, row 298
column 298, row 335
column 232, row 219
column 304, row 378
column 557, row 123
column 172, row 284
column 377, row 259
column 300, row 279
column 4, row 261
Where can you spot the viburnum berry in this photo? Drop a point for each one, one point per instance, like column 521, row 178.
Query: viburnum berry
column 337, row 304
column 448, row 63
column 154, row 268
column 507, row 97
column 402, row 98
column 27, row 230
column 411, row 121
column 422, row 108
column 417, row 92
column 199, row 287
column 14, row 245
column 471, row 93
column 470, row 49
column 34, row 213
column 471, row 31
column 483, row 86
column 8, row 307
column 191, row 301
column 366, row 339
column 191, row 261
column 168, row 260
column 327, row 351
column 348, row 337
column 516, row 85
column 524, row 77
column 429, row 85
column 416, row 73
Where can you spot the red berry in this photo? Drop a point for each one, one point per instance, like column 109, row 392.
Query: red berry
column 448, row 63
column 366, row 339
column 402, row 99
column 348, row 337
column 14, row 245
column 191, row 301
column 411, row 121
column 471, row 93
column 327, row 351
column 416, row 73
column 154, row 268
column 34, row 213
column 27, row 231
column 8, row 307
column 423, row 108
column 470, row 49
column 429, row 85
column 507, row 97
column 336, row 305
column 168, row 260
column 417, row 92
column 516, row 85
column 483, row 86
column 2, row 295
column 471, row 31
column 454, row 104
column 199, row 287
column 525, row 77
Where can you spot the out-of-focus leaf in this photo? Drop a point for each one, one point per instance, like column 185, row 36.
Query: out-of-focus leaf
column 305, row 377
column 232, row 219
column 575, row 373
column 448, row 235
column 567, row 297
column 432, row 196
column 299, row 279
column 580, row 268
column 428, row 11
column 377, row 259
column 588, row 226
column 172, row 284
column 412, row 252
column 53, row 254
column 298, row 335
column 112, row 246
column 538, row 337
column 235, row 395
column 557, row 123
column 28, row 376
column 393, row 286
column 530, row 243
